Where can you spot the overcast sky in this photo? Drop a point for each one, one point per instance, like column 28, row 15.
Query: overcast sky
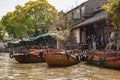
column 65, row 5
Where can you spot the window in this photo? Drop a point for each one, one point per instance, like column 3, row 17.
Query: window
column 77, row 14
column 82, row 10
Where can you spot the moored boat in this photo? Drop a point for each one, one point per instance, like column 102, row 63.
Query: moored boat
column 61, row 57
column 109, row 59
column 28, row 56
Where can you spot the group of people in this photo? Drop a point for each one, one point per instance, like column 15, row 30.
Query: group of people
column 98, row 43
column 95, row 42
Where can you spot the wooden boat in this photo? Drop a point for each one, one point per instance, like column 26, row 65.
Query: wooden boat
column 104, row 58
column 28, row 56
column 61, row 57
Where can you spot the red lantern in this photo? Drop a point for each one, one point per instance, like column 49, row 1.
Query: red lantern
column 95, row 26
column 107, row 22
column 84, row 28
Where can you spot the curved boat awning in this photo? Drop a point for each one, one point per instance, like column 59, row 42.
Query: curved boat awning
column 46, row 35
column 91, row 20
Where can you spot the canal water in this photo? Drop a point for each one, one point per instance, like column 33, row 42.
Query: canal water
column 12, row 70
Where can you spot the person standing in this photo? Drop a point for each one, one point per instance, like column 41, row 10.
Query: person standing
column 112, row 45
column 113, row 35
column 91, row 39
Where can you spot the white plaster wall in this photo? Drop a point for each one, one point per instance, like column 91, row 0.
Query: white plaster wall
column 76, row 33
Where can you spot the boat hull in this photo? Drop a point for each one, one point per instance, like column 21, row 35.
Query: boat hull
column 59, row 59
column 28, row 58
column 34, row 56
column 105, row 59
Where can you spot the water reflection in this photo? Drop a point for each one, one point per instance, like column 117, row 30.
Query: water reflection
column 12, row 70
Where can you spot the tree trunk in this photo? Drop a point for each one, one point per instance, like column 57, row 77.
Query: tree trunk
column 60, row 44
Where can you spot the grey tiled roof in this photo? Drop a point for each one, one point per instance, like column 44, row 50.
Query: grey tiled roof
column 91, row 20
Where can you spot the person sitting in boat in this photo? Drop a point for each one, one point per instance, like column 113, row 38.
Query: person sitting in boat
column 82, row 47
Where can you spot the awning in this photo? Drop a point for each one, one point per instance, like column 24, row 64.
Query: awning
column 46, row 35
column 91, row 20
column 31, row 38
